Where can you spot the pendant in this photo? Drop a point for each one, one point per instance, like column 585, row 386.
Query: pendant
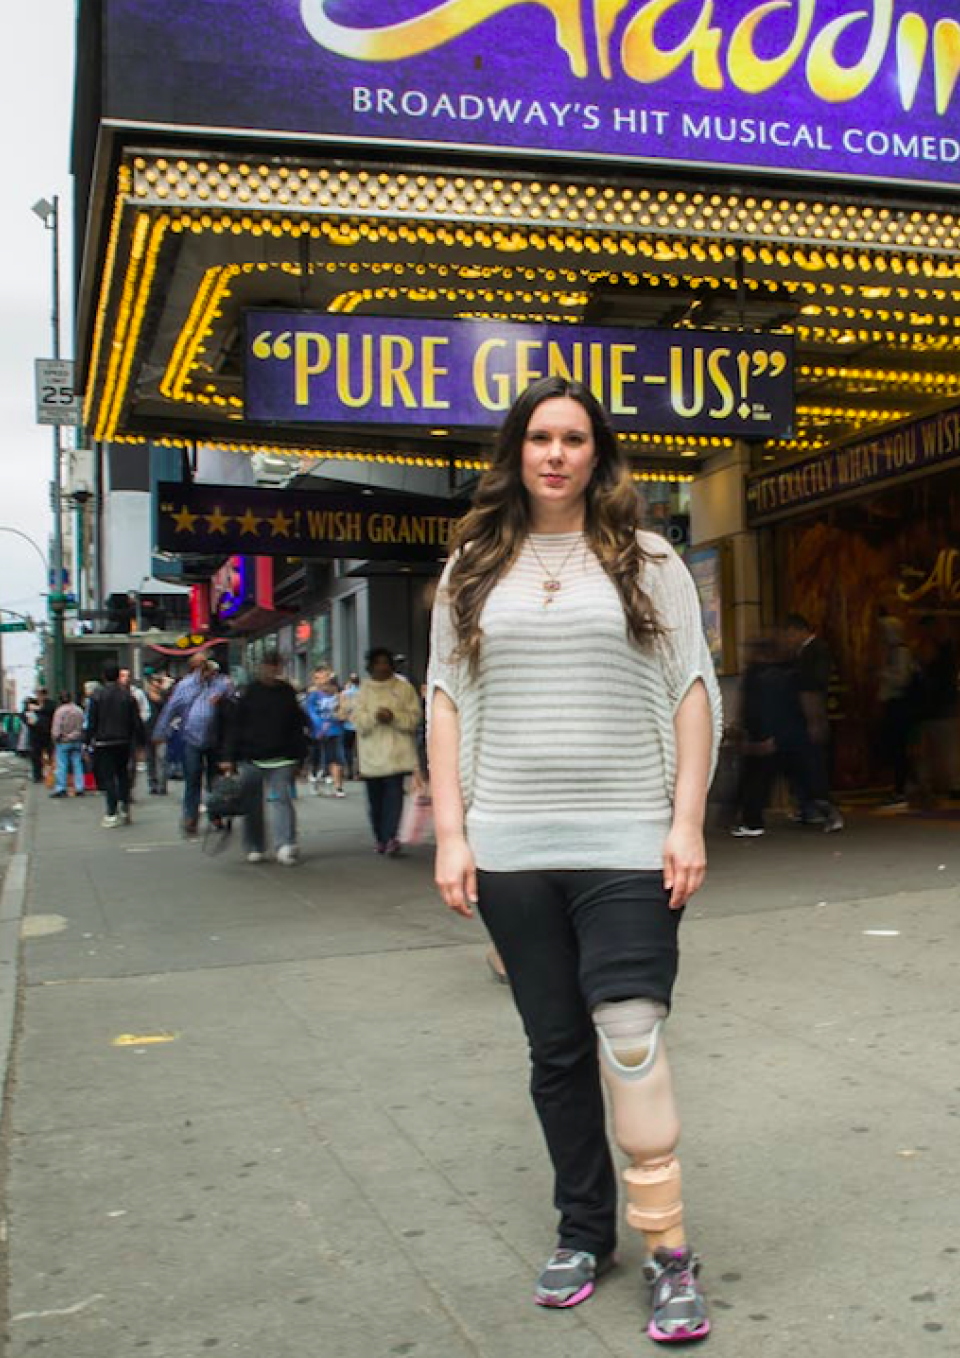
column 551, row 585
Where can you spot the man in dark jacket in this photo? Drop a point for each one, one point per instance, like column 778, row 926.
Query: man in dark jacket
column 267, row 738
column 114, row 729
column 38, row 715
column 813, row 665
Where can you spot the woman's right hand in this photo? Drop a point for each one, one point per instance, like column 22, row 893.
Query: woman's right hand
column 456, row 875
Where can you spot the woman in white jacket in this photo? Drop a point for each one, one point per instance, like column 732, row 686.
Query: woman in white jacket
column 386, row 715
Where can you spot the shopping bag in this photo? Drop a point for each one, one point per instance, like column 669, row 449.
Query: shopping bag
column 416, row 821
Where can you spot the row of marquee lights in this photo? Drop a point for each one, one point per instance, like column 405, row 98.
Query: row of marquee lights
column 541, row 203
column 216, row 285
column 149, row 230
column 398, row 459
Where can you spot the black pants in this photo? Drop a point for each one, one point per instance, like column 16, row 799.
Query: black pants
column 895, row 741
column 570, row 941
column 38, row 748
column 385, row 800
column 113, row 775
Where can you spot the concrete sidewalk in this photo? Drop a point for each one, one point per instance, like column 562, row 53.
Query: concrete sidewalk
column 264, row 1111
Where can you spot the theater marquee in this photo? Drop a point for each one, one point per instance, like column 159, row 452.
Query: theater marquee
column 837, row 88
column 324, row 369
column 905, row 451
column 197, row 520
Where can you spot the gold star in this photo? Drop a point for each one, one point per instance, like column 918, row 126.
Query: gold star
column 280, row 524
column 185, row 520
column 217, row 522
column 249, row 523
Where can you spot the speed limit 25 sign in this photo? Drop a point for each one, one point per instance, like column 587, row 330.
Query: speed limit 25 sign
column 57, row 402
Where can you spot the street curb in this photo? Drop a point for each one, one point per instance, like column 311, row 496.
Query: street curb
column 13, row 899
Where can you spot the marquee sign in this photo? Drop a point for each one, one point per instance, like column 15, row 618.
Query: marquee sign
column 837, row 88
column 331, row 369
column 904, row 451
column 196, row 519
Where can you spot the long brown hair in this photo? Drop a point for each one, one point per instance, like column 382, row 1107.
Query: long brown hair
column 491, row 534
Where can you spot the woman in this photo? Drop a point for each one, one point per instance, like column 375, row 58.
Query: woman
column 576, row 825
column 386, row 714
column 348, row 697
column 326, row 729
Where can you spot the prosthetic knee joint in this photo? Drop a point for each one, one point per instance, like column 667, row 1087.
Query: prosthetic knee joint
column 633, row 1063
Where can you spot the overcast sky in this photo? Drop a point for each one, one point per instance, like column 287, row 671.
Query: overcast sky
column 36, row 92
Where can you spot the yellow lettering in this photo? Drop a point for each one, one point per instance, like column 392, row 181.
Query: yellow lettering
column 304, row 367
column 596, row 371
column 837, row 84
column 946, row 60
column 393, row 371
column 374, row 531
column 619, row 379
column 645, row 61
column 722, row 383
column 684, row 408
column 754, row 74
column 557, row 365
column 344, row 355
column 432, row 371
column 525, row 373
column 482, row 379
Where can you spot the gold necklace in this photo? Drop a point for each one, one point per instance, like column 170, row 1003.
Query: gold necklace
column 552, row 582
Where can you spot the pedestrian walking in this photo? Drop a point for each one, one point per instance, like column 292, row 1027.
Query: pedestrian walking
column 114, row 729
column 67, row 734
column 348, row 700
column 576, row 826
column 773, row 734
column 266, row 740
column 193, row 703
column 38, row 713
column 898, row 693
column 157, row 695
column 322, row 707
column 937, row 765
column 386, row 714
column 813, row 662
column 317, row 769
column 143, row 707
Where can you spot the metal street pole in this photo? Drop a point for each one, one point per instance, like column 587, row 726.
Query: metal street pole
column 49, row 214
column 57, row 592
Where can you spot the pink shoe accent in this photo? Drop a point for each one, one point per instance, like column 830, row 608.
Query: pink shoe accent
column 678, row 1336
column 585, row 1291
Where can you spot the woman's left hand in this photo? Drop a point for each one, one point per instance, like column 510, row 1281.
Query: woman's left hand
column 684, row 863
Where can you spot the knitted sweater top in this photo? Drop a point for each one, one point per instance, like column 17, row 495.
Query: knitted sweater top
column 567, row 745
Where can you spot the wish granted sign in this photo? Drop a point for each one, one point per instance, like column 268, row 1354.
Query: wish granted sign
column 330, row 369
column 835, row 88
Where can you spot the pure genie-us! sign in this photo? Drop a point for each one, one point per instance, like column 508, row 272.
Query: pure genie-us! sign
column 331, row 369
column 827, row 87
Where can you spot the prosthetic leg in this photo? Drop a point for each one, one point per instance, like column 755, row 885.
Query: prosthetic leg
column 634, row 1067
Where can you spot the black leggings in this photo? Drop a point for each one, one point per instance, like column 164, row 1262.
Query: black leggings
column 570, row 941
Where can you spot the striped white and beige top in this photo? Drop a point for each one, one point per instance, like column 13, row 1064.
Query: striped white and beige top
column 567, row 746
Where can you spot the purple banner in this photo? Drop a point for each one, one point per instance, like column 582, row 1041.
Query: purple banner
column 863, row 88
column 329, row 369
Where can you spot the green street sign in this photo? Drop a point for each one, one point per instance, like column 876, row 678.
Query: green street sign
column 14, row 627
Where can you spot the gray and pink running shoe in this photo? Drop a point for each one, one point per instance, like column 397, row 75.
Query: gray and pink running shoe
column 679, row 1308
column 569, row 1277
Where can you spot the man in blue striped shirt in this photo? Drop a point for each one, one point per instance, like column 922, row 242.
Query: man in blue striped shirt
column 194, row 703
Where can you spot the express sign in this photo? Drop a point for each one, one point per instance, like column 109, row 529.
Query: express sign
column 826, row 87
